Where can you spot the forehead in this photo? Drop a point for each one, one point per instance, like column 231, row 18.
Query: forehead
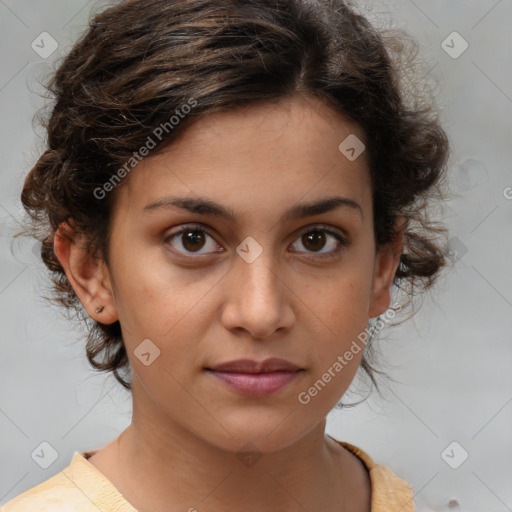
column 263, row 156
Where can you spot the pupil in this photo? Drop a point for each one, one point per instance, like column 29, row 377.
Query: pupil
column 194, row 237
column 314, row 236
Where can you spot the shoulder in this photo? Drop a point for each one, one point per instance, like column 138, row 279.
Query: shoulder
column 389, row 492
column 56, row 494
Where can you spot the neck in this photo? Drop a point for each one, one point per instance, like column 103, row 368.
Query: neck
column 159, row 466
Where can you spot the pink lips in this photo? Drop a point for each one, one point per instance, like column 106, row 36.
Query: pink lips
column 253, row 378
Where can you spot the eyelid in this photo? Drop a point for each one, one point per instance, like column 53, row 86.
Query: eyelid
column 192, row 226
column 327, row 228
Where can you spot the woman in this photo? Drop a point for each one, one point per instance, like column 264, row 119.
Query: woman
column 230, row 191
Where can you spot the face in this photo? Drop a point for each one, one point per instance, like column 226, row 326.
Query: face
column 269, row 278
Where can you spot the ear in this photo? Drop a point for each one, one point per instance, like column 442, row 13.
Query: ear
column 386, row 264
column 88, row 275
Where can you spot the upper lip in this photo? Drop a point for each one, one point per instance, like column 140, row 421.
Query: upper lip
column 273, row 364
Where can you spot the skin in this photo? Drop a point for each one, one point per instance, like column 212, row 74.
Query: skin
column 180, row 450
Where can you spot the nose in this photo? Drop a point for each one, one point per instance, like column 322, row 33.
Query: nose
column 257, row 299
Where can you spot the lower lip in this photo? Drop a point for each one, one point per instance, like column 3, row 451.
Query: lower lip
column 256, row 384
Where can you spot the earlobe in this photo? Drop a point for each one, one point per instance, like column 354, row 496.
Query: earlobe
column 87, row 275
column 386, row 264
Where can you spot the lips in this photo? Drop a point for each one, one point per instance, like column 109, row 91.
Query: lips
column 273, row 364
column 255, row 378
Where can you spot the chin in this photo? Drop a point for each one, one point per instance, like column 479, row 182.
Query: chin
column 260, row 432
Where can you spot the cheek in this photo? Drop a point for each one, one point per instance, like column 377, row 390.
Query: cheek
column 341, row 312
column 337, row 354
column 151, row 294
column 341, row 301
column 173, row 309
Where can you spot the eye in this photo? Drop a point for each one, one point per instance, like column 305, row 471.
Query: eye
column 314, row 239
column 191, row 238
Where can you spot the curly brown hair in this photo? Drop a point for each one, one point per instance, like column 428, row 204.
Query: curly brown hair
column 139, row 61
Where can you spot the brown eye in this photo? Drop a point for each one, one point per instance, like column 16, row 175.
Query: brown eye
column 192, row 239
column 314, row 241
column 317, row 238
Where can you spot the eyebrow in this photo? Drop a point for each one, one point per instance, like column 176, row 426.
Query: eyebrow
column 207, row 207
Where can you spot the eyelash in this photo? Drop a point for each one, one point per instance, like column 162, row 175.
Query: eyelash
column 342, row 242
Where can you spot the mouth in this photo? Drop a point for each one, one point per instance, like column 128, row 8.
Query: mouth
column 253, row 378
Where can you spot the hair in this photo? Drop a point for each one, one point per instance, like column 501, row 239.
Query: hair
column 140, row 62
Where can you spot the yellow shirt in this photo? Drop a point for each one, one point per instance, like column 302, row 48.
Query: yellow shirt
column 81, row 487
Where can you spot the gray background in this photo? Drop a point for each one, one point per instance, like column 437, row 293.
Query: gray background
column 451, row 363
